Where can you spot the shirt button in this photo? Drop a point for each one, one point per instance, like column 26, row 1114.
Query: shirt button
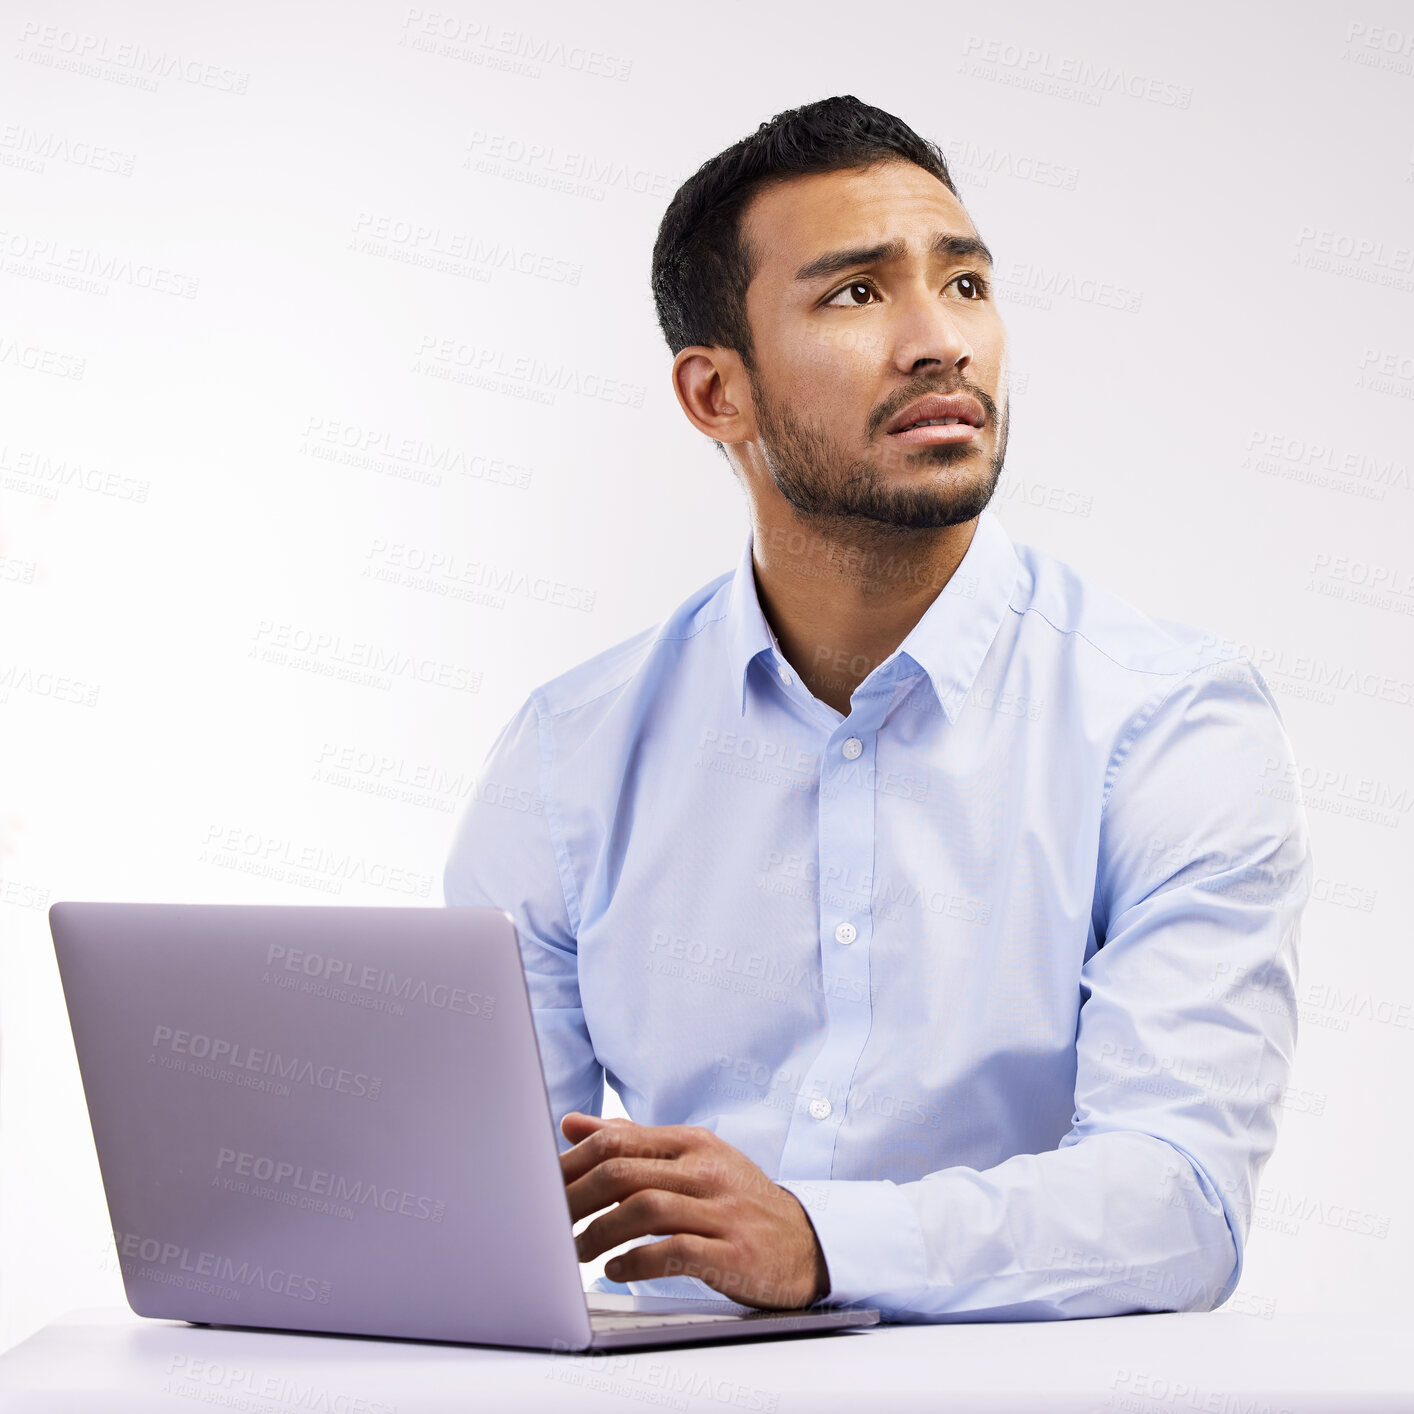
column 784, row 673
column 845, row 933
column 820, row 1109
column 852, row 747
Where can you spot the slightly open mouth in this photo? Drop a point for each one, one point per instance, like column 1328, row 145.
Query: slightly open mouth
column 932, row 432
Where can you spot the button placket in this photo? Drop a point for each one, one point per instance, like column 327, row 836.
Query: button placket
column 846, row 857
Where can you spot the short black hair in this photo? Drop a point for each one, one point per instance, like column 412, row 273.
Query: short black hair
column 701, row 264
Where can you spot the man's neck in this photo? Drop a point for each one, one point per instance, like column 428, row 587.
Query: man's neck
column 841, row 600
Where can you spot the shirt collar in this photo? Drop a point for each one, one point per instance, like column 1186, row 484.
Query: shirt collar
column 949, row 642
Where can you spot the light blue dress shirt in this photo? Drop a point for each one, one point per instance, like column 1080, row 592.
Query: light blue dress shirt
column 996, row 974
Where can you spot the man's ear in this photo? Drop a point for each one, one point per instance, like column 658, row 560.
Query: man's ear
column 714, row 392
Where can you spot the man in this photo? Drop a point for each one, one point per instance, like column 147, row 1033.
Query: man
column 920, row 898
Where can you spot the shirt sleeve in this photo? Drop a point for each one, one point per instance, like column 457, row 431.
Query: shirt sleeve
column 1184, row 1047
column 506, row 853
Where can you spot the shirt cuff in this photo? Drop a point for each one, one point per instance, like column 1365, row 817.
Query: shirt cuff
column 869, row 1233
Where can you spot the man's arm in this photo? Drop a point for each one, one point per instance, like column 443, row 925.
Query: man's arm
column 506, row 854
column 1184, row 1047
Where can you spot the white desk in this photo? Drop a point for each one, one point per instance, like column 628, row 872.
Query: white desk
column 110, row 1362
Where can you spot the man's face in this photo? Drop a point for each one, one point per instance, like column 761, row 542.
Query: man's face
column 841, row 351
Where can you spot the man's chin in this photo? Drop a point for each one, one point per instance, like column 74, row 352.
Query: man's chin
column 918, row 506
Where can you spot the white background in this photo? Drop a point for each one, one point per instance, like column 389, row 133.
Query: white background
column 223, row 435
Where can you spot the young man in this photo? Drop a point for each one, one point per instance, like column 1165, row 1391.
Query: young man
column 922, row 900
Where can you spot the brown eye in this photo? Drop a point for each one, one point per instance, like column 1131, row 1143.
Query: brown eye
column 973, row 287
column 850, row 290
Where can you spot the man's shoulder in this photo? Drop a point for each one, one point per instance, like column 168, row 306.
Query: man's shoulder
column 1075, row 609
column 613, row 670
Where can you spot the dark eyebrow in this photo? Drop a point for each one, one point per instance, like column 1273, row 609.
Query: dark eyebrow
column 944, row 244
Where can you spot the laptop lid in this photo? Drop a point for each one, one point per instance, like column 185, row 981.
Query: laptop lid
column 323, row 1118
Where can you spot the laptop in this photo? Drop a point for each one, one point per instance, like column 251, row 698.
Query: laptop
column 318, row 1118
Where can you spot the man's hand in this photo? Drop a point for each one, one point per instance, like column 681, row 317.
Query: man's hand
column 732, row 1227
